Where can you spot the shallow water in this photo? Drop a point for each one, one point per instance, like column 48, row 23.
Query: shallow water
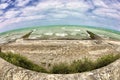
column 76, row 32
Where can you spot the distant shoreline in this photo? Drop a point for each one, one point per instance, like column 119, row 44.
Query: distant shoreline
column 82, row 26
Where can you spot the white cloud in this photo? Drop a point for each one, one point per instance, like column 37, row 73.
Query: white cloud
column 67, row 13
column 20, row 19
column 78, row 5
column 72, row 13
column 2, row 1
column 48, row 5
column 11, row 14
column 22, row 2
column 116, row 6
column 34, row 17
column 1, row 12
column 58, row 15
column 3, row 5
column 42, row 7
column 1, row 19
column 30, row 11
column 59, row 9
column 110, row 13
column 100, row 3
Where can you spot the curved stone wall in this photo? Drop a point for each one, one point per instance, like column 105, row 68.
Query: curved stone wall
column 11, row 72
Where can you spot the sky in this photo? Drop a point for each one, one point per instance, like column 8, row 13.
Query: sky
column 27, row 13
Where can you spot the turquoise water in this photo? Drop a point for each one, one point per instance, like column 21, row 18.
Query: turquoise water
column 77, row 32
column 47, row 27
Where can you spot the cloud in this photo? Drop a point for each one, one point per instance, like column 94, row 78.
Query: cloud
column 3, row 5
column 108, row 13
column 33, row 17
column 1, row 12
column 78, row 5
column 1, row 19
column 22, row 3
column 59, row 16
column 20, row 19
column 82, row 10
column 11, row 14
column 100, row 3
column 49, row 4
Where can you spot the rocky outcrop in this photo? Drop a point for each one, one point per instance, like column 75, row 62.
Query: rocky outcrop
column 94, row 36
column 95, row 47
column 48, row 52
column 26, row 36
column 11, row 72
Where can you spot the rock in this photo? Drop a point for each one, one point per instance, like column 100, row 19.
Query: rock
column 94, row 36
column 11, row 72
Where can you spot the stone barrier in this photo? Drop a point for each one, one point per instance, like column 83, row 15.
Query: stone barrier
column 12, row 72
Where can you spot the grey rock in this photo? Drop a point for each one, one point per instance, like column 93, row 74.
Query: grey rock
column 11, row 72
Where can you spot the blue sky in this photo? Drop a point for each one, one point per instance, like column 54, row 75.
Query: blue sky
column 27, row 13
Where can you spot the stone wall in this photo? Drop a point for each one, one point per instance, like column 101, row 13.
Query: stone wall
column 11, row 72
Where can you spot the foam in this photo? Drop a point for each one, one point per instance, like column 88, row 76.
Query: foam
column 61, row 34
column 49, row 33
